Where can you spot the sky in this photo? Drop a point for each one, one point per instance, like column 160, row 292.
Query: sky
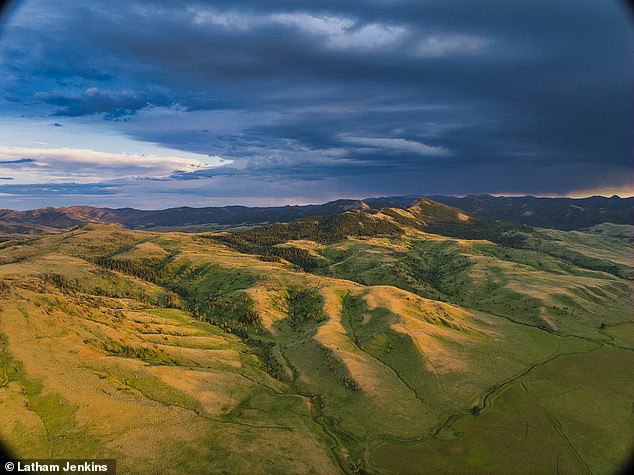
column 155, row 103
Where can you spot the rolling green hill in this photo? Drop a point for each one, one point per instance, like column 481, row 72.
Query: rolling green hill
column 418, row 340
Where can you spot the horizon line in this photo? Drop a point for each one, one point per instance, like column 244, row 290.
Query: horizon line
column 299, row 204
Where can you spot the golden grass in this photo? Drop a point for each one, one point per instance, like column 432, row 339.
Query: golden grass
column 135, row 411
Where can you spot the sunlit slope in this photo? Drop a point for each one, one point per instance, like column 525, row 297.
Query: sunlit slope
column 392, row 334
column 564, row 282
column 94, row 376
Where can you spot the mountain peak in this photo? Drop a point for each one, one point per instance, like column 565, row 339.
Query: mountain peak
column 432, row 211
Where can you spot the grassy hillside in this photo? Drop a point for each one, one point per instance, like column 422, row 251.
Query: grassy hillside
column 355, row 343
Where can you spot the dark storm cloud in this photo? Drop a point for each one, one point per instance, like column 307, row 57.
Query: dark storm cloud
column 16, row 162
column 428, row 96
column 93, row 101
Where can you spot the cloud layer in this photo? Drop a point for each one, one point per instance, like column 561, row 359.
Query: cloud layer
column 38, row 165
column 317, row 99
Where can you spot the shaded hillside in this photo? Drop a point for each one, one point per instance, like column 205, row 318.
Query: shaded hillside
column 38, row 220
column 557, row 213
column 52, row 219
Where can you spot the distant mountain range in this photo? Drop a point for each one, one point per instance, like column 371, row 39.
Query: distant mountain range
column 558, row 213
column 64, row 218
